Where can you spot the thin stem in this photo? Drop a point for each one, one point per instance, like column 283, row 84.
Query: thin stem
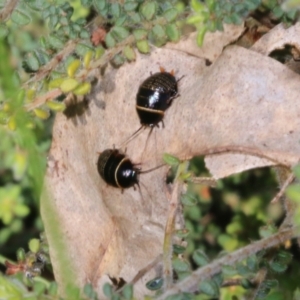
column 190, row 284
column 8, row 9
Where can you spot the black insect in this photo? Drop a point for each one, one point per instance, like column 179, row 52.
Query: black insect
column 117, row 170
column 155, row 96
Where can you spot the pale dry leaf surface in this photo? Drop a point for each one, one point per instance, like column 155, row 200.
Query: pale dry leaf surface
column 243, row 99
column 213, row 43
column 278, row 38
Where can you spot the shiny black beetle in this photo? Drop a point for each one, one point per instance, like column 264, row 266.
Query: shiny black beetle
column 155, row 96
column 117, row 170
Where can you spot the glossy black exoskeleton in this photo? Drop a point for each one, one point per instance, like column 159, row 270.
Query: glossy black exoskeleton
column 117, row 170
column 155, row 96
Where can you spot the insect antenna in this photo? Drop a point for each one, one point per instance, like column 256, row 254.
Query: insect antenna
column 134, row 135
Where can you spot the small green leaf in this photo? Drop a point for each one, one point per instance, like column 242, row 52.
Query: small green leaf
column 69, row 85
column 252, row 263
column 73, row 67
column 20, row 17
column 198, row 6
column 34, row 245
column 182, row 233
column 107, row 290
column 129, row 53
column 158, row 31
column 21, row 210
column 200, row 35
column 41, row 113
column 210, row 288
column 130, row 5
column 178, row 249
column 88, row 290
column 120, row 33
column 99, row 5
column 82, row 49
column 171, row 14
column 140, row 34
column 200, row 258
column 173, row 32
column 21, row 255
column 242, row 269
column 109, row 40
column 127, row 292
column 267, row 231
column 55, row 83
column 53, row 288
column 99, row 52
column 83, row 89
column 188, row 199
column 3, row 31
column 87, row 59
column 56, row 106
column 155, row 284
column 143, row 46
column 118, row 60
column 195, row 19
column 53, row 21
column 148, row 9
column 121, row 20
column 115, row 9
column 55, row 42
column 31, row 62
column 180, row 265
column 170, row 159
column 229, row 270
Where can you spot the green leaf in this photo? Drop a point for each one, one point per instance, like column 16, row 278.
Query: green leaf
column 21, row 210
column 130, row 5
column 69, row 85
column 9, row 290
column 143, row 46
column 171, row 160
column 83, row 89
column 53, row 289
column 37, row 4
column 155, row 284
column 21, row 255
column 82, row 49
column 180, row 265
column 198, row 6
column 118, row 60
column 55, row 42
column 127, row 292
column 173, row 32
column 200, row 258
column 53, row 21
column 89, row 290
column 200, row 35
column 267, row 231
column 109, row 40
column 115, row 9
column 34, row 245
column 140, row 34
column 56, row 106
column 107, row 290
column 99, row 5
column 3, row 31
column 148, row 9
column 41, row 113
column 228, row 270
column 178, row 249
column 209, row 287
column 158, row 31
column 188, row 199
column 20, row 17
column 119, row 33
column 129, row 53
column 121, row 20
column 73, row 67
column 171, row 14
column 31, row 62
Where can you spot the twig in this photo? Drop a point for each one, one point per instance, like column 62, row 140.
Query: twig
column 246, row 150
column 209, row 181
column 42, row 99
column 287, row 182
column 169, row 231
column 8, row 9
column 53, row 63
column 259, row 279
column 190, row 284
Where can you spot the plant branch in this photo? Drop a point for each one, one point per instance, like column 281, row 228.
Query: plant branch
column 8, row 9
column 190, row 284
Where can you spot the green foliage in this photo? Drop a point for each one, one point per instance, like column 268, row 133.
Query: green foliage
column 60, row 55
